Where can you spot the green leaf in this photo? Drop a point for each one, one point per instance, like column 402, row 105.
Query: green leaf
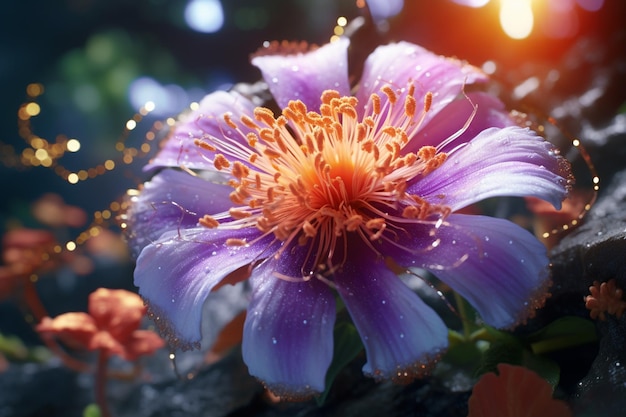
column 502, row 350
column 544, row 367
column 347, row 346
column 92, row 410
column 562, row 333
column 461, row 352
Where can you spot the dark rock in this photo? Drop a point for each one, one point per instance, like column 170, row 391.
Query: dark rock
column 215, row 391
column 34, row 390
column 595, row 252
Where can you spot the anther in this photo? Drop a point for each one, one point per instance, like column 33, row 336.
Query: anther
column 265, row 115
column 208, row 221
column 202, row 144
column 248, row 122
column 239, row 170
column 361, row 132
column 409, row 106
column 389, row 130
column 238, row 214
column 220, row 162
column 235, row 242
column 328, row 95
column 390, row 94
column 428, row 100
column 426, row 153
column 267, row 134
column 271, row 153
column 375, row 99
column 348, row 110
column 229, row 121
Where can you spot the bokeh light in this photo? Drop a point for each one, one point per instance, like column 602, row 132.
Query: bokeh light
column 206, row 16
column 516, row 18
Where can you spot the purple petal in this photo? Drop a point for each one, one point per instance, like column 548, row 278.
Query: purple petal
column 305, row 76
column 512, row 161
column 205, row 122
column 172, row 200
column 401, row 334
column 451, row 119
column 176, row 274
column 500, row 268
column 288, row 334
column 397, row 64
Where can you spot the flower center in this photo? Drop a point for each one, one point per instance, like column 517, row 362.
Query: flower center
column 312, row 178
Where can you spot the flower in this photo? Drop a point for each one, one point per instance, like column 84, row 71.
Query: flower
column 330, row 197
column 111, row 326
column 605, row 297
column 514, row 392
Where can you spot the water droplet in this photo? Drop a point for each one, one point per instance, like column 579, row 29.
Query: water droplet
column 274, row 341
column 401, row 335
column 485, row 254
column 173, row 300
column 384, row 301
column 214, row 253
column 454, row 242
column 295, row 68
column 427, row 74
column 486, row 238
column 401, row 317
column 304, row 322
column 510, row 242
column 275, row 80
column 522, row 260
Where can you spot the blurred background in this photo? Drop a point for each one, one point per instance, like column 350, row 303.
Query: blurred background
column 74, row 72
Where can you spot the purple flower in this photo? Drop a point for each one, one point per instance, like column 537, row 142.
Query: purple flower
column 333, row 194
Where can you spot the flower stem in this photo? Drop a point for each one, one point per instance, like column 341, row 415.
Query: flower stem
column 100, row 383
column 460, row 305
column 38, row 310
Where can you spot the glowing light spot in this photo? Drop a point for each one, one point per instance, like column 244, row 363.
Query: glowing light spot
column 148, row 95
column 385, row 9
column 70, row 246
column 342, row 21
column 34, row 89
column 489, row 67
column 471, row 3
column 131, row 124
column 206, row 16
column 72, row 145
column 41, row 154
column 32, row 109
column 72, row 178
column 516, row 18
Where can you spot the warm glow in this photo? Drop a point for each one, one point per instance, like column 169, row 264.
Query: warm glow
column 516, row 18
column 73, row 145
